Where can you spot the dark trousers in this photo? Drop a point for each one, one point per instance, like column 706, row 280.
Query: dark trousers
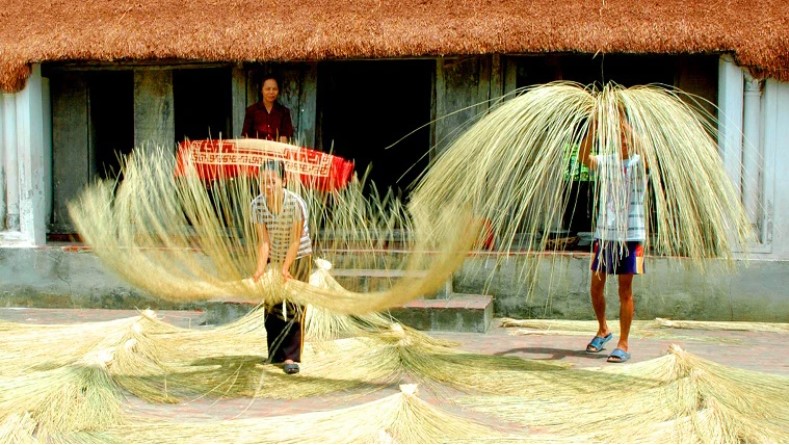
column 285, row 328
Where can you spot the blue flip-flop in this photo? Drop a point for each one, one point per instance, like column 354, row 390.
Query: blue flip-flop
column 598, row 342
column 618, row 356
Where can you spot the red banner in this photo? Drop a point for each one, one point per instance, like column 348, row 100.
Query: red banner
column 213, row 160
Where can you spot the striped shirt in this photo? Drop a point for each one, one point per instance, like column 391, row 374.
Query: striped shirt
column 279, row 225
column 620, row 213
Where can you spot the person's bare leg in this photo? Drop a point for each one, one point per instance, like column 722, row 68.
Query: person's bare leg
column 626, row 309
column 597, row 292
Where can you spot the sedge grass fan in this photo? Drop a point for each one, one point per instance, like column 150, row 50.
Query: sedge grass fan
column 677, row 398
column 397, row 418
column 166, row 235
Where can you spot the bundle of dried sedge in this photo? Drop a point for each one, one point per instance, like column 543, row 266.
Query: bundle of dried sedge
column 398, row 418
column 180, row 240
column 28, row 347
column 379, row 357
column 385, row 357
column 657, row 328
column 678, row 398
column 751, row 326
column 18, row 428
column 65, row 404
column 518, row 165
column 149, row 358
column 161, row 363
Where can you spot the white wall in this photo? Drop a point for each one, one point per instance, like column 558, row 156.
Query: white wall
column 27, row 163
column 775, row 140
column 753, row 139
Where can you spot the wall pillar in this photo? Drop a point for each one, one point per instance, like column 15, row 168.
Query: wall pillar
column 32, row 158
column 775, row 182
column 154, row 121
column 11, row 221
column 2, row 164
column 752, row 155
column 238, row 93
column 730, row 106
column 463, row 90
column 754, row 126
column 299, row 92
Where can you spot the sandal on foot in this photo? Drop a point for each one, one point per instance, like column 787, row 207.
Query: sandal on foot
column 618, row 356
column 597, row 343
column 291, row 368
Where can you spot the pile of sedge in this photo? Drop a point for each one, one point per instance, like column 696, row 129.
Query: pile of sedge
column 66, row 404
column 18, row 428
column 659, row 328
column 657, row 323
column 679, row 398
column 29, row 347
column 399, row 418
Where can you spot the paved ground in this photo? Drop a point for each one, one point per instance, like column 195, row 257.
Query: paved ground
column 759, row 351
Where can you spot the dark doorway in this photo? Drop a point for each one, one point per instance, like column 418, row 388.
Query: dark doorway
column 624, row 69
column 111, row 119
column 366, row 106
column 202, row 103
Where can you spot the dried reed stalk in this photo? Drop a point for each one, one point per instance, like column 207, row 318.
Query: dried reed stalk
column 516, row 167
column 65, row 402
column 18, row 428
column 678, row 398
column 657, row 328
column 398, row 418
column 181, row 241
column 27, row 347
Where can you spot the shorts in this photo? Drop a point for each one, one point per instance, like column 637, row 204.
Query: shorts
column 617, row 258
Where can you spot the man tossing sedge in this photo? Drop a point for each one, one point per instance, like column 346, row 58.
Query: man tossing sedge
column 619, row 233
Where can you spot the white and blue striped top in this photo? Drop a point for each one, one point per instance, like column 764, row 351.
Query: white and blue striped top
column 278, row 225
column 620, row 213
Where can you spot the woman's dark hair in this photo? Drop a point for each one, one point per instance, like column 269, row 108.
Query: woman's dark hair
column 274, row 165
column 268, row 76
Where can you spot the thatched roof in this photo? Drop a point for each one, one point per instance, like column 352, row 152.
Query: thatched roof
column 755, row 31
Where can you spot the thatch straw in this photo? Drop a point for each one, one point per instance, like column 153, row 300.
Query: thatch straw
column 335, row 29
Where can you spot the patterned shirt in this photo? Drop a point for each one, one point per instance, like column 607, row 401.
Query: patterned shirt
column 620, row 213
column 279, row 225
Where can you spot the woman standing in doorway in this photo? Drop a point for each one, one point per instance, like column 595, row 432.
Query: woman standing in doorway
column 280, row 217
column 268, row 119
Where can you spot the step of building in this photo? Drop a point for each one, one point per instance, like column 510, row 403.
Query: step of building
column 444, row 310
column 374, row 280
column 457, row 313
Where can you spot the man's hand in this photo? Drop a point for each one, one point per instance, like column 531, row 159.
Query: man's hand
column 286, row 274
column 257, row 275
